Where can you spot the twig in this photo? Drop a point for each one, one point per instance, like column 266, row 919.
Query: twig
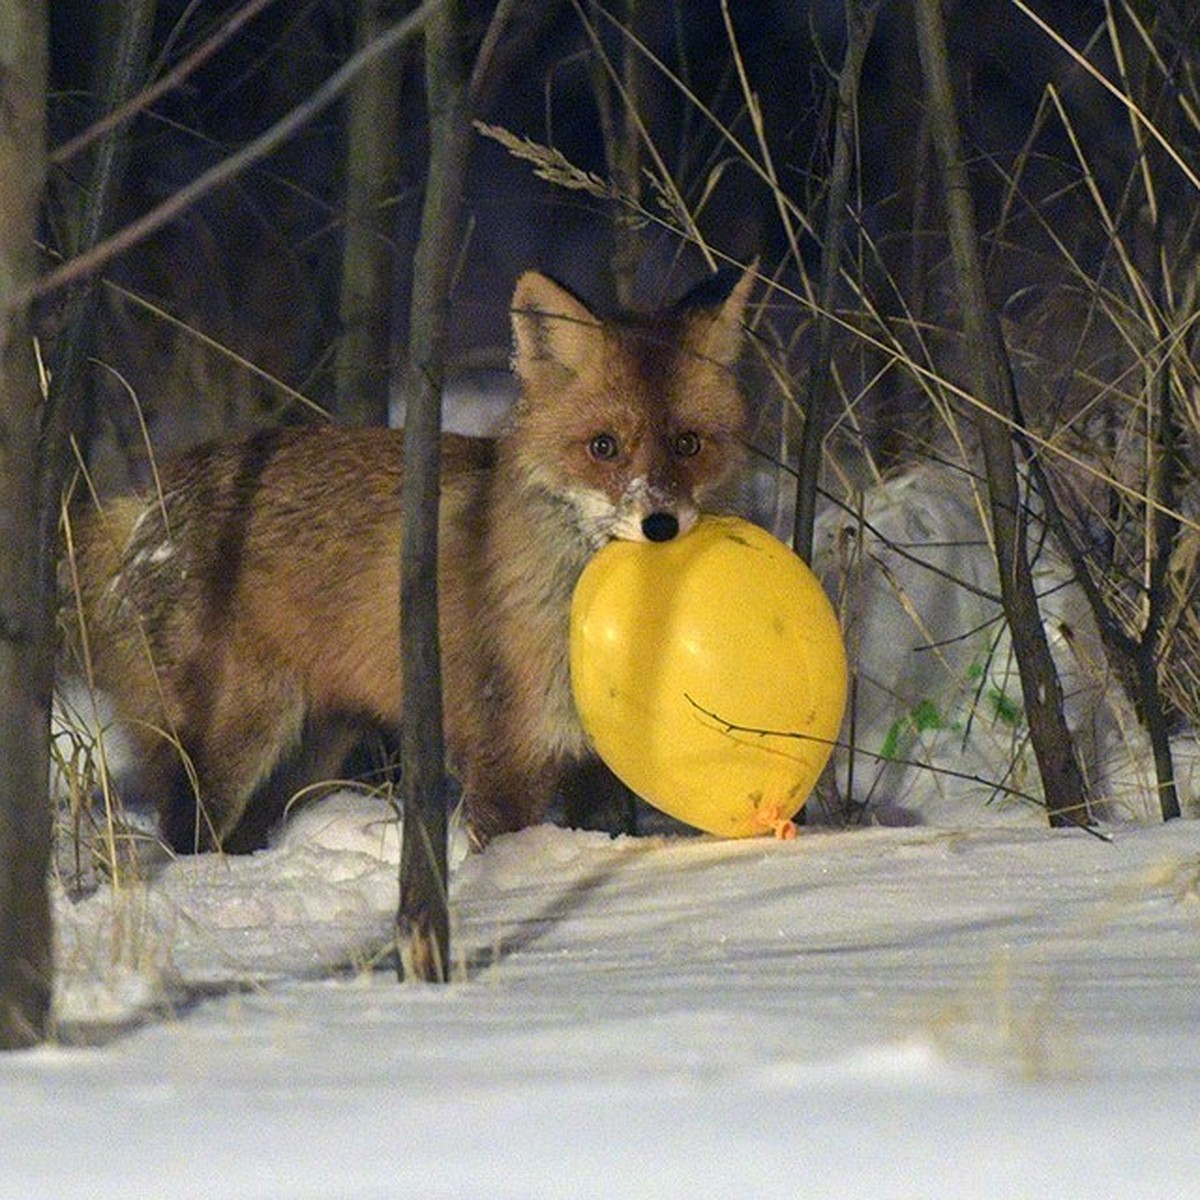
column 728, row 726
column 860, row 24
column 171, row 80
column 66, row 412
column 1134, row 111
column 88, row 263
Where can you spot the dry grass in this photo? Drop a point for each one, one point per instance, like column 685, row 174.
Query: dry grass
column 1098, row 296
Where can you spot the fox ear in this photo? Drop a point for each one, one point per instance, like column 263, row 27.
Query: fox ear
column 551, row 326
column 716, row 332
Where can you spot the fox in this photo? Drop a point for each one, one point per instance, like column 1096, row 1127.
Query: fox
column 244, row 619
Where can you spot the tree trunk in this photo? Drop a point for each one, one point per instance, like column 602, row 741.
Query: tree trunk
column 860, row 24
column 618, row 99
column 232, row 165
column 1062, row 779
column 119, row 77
column 26, row 614
column 363, row 364
column 423, row 922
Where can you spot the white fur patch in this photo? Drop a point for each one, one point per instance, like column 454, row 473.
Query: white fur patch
column 154, row 556
column 602, row 521
column 596, row 514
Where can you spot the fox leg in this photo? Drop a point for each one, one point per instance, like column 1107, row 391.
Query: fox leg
column 309, row 771
column 188, row 818
column 316, row 760
column 234, row 746
column 594, row 798
column 502, row 796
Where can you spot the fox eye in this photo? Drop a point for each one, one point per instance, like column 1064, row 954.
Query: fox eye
column 687, row 444
column 604, row 447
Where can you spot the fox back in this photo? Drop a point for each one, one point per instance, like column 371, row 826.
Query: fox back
column 246, row 619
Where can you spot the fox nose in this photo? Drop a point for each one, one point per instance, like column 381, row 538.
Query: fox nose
column 660, row 526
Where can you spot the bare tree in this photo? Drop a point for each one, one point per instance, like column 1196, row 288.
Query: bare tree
column 860, row 24
column 368, row 250
column 423, row 920
column 1062, row 779
column 26, row 613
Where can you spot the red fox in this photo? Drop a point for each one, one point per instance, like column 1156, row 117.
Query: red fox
column 250, row 612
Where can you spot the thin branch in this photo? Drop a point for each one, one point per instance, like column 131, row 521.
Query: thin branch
column 837, row 744
column 229, row 168
column 860, row 24
column 66, row 410
column 1106, row 83
column 171, row 80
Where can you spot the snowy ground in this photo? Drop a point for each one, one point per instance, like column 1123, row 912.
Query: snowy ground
column 909, row 1012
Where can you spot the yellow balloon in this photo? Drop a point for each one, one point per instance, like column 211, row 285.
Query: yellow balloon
column 710, row 674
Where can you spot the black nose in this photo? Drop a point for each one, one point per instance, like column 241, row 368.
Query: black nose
column 660, row 526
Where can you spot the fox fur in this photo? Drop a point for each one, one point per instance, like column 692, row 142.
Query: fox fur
column 245, row 619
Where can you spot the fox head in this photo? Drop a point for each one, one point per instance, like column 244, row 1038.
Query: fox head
column 631, row 422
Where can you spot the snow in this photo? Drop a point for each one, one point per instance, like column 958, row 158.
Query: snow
column 938, row 725
column 878, row 1012
column 954, row 1003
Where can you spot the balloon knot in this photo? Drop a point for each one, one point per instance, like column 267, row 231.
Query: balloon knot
column 771, row 820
